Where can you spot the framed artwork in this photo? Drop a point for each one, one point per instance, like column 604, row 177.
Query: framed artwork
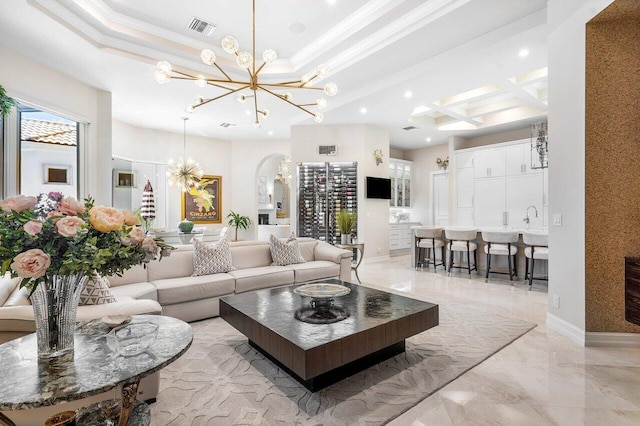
column 124, row 179
column 203, row 203
column 262, row 190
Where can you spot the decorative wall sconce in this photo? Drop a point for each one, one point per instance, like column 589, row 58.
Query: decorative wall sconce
column 443, row 164
column 377, row 154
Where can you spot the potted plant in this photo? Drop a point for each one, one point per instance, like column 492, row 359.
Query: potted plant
column 6, row 102
column 345, row 221
column 238, row 221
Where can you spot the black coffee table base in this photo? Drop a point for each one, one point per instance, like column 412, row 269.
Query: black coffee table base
column 334, row 376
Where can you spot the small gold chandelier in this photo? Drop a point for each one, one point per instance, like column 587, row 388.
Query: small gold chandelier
column 185, row 173
column 245, row 60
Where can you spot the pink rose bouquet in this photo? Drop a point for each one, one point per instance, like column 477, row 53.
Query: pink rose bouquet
column 52, row 235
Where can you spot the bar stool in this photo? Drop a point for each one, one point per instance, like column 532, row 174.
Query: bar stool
column 429, row 239
column 538, row 249
column 501, row 243
column 461, row 240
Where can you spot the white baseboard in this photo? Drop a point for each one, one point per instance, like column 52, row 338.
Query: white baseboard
column 375, row 259
column 612, row 340
column 566, row 328
column 593, row 339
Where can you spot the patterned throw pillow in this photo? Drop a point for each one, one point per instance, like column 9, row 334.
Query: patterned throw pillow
column 211, row 259
column 96, row 292
column 285, row 253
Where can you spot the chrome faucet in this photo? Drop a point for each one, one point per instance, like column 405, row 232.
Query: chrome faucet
column 527, row 219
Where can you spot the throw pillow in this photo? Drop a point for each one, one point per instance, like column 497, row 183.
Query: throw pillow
column 285, row 253
column 211, row 259
column 96, row 292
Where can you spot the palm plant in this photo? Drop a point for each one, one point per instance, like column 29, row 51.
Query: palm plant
column 345, row 221
column 238, row 221
column 6, row 102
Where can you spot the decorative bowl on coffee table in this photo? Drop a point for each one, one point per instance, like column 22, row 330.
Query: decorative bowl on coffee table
column 321, row 309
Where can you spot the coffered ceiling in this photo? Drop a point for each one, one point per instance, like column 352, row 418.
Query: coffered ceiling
column 445, row 67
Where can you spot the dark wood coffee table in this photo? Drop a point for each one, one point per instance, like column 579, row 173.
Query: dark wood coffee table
column 318, row 355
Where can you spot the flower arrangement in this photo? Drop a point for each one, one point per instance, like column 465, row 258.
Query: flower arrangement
column 443, row 164
column 52, row 235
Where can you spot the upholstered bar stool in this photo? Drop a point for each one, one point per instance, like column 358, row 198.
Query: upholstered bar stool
column 429, row 240
column 538, row 248
column 501, row 243
column 461, row 241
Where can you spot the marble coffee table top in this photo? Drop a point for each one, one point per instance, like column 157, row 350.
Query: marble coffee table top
column 96, row 367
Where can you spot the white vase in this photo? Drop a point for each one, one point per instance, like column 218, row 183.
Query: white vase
column 345, row 238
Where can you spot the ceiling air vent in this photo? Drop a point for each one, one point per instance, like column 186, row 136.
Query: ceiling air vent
column 200, row 26
column 409, row 128
column 225, row 125
column 327, row 150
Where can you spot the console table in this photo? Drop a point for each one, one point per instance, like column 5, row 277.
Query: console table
column 94, row 368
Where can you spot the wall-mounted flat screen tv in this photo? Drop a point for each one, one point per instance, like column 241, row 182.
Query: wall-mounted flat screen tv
column 378, row 188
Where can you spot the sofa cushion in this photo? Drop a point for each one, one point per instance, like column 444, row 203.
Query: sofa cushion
column 315, row 270
column 178, row 265
column 211, row 258
column 286, row 252
column 136, row 291
column 7, row 286
column 263, row 277
column 96, row 292
column 137, row 274
column 307, row 248
column 19, row 297
column 186, row 289
column 251, row 255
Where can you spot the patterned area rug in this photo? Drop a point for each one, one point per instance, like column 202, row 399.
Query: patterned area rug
column 221, row 380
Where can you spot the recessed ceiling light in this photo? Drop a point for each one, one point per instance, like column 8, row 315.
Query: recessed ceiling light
column 248, row 112
column 363, row 110
column 332, row 2
column 270, row 132
column 297, row 27
column 523, row 53
column 428, row 139
column 408, row 94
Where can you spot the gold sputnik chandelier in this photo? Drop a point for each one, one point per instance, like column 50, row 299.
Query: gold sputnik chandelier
column 245, row 60
column 186, row 172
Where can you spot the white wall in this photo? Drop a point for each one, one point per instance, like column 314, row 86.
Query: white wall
column 213, row 155
column 33, row 159
column 424, row 162
column 37, row 85
column 354, row 143
column 567, row 19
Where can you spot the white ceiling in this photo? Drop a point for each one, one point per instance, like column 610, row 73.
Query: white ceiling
column 377, row 50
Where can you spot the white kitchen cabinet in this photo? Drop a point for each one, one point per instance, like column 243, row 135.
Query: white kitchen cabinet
column 400, row 235
column 545, row 186
column 400, row 174
column 465, row 188
column 490, row 198
column 465, row 160
column 465, row 217
column 523, row 191
column 518, row 159
column 489, row 163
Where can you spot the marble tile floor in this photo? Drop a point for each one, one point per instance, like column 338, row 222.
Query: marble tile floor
column 543, row 378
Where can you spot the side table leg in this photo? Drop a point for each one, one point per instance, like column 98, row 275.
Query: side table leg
column 128, row 392
column 6, row 421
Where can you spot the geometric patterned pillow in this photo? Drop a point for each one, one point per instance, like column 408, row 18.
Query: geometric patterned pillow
column 211, row 259
column 96, row 292
column 285, row 253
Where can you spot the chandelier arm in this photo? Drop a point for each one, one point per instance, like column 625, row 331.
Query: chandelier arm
column 289, row 102
column 283, row 83
column 309, row 81
column 222, row 71
column 215, row 80
column 254, row 38
column 255, row 104
column 219, row 85
column 260, row 69
column 221, row 96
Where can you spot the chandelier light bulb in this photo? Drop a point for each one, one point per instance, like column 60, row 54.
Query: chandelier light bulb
column 229, row 44
column 269, row 56
column 288, row 96
column 322, row 71
column 306, row 78
column 265, row 112
column 330, row 89
column 321, row 103
column 162, row 77
column 165, row 67
column 257, row 124
column 208, row 57
column 201, row 81
column 189, row 109
column 318, row 117
column 242, row 98
column 244, row 59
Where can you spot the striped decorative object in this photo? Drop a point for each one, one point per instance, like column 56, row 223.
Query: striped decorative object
column 148, row 208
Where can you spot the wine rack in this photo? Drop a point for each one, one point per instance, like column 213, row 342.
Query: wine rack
column 323, row 190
